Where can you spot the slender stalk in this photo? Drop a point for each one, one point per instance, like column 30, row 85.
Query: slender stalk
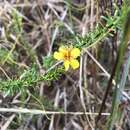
column 37, row 112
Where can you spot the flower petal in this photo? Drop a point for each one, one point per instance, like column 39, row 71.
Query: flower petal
column 74, row 64
column 63, row 49
column 66, row 64
column 75, row 52
column 58, row 55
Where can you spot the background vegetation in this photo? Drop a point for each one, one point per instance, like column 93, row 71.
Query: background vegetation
column 36, row 93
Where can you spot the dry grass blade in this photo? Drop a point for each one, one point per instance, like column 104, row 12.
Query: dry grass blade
column 8, row 122
column 37, row 112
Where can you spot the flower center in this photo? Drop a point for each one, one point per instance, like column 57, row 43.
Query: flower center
column 67, row 55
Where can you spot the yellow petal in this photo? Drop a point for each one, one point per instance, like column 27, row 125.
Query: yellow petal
column 74, row 64
column 58, row 55
column 75, row 52
column 66, row 64
column 63, row 49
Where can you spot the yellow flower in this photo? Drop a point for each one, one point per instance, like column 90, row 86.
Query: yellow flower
column 68, row 55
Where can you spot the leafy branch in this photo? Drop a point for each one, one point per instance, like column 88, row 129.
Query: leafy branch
column 30, row 78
